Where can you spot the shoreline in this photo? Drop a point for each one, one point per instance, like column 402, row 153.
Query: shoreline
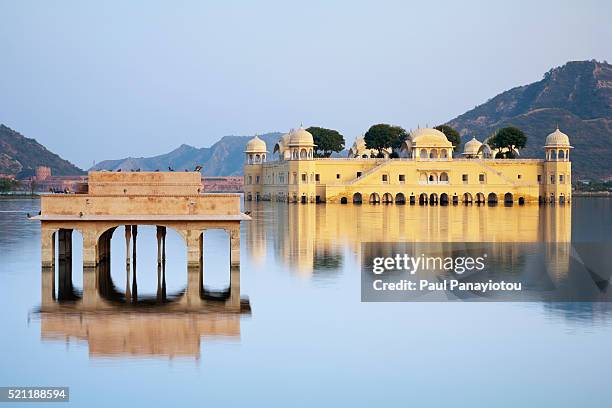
column 592, row 194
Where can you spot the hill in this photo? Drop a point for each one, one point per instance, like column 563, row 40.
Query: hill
column 577, row 97
column 224, row 158
column 20, row 156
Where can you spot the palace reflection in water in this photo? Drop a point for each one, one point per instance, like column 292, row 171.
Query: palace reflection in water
column 125, row 323
column 115, row 323
column 308, row 237
column 308, row 241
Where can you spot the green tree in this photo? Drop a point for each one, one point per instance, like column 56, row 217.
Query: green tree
column 451, row 134
column 7, row 185
column 383, row 136
column 327, row 141
column 508, row 139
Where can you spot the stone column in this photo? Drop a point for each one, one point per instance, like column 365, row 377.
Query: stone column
column 234, row 300
column 193, row 248
column 128, row 291
column 47, row 286
column 164, row 245
column 47, row 240
column 134, row 281
column 90, row 249
column 65, row 290
column 128, row 239
column 235, row 245
column 193, row 295
column 159, row 245
column 91, row 296
column 194, row 268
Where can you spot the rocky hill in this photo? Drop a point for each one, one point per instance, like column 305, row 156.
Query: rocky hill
column 20, row 156
column 224, row 158
column 577, row 97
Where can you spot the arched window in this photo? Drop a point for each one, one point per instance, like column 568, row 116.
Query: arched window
column 444, row 154
column 423, row 154
column 250, row 158
column 303, row 154
column 433, row 154
column 553, row 155
column 257, row 158
column 444, row 177
column 561, row 155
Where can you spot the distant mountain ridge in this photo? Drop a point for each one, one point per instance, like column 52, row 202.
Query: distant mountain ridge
column 224, row 158
column 20, row 156
column 577, row 97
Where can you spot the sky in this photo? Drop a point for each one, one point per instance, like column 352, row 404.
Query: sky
column 106, row 80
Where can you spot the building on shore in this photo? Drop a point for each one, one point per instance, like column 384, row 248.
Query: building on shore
column 222, row 184
column 427, row 174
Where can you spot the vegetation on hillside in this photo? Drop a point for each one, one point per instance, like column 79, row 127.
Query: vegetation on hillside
column 7, row 185
column 577, row 97
column 20, row 156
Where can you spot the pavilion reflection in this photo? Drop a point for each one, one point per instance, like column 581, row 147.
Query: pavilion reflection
column 115, row 323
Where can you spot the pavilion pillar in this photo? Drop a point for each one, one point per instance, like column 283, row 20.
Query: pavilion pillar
column 90, row 249
column 164, row 245
column 235, row 245
column 91, row 295
column 159, row 245
column 128, row 240
column 234, row 299
column 134, row 281
column 194, row 255
column 47, row 286
column 194, row 267
column 47, row 248
column 65, row 289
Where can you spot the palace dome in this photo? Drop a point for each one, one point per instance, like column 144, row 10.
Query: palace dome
column 255, row 145
column 557, row 138
column 301, row 137
column 472, row 147
column 428, row 137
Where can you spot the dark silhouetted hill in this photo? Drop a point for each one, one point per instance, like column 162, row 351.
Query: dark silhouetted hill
column 20, row 156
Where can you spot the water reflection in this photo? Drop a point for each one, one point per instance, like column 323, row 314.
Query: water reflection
column 317, row 241
column 311, row 239
column 115, row 323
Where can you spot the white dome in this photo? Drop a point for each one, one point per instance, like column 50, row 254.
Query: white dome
column 428, row 137
column 301, row 137
column 255, row 145
column 472, row 147
column 557, row 138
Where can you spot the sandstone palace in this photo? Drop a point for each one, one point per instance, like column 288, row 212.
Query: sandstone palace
column 426, row 173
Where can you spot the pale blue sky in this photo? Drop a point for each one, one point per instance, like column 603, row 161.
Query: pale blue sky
column 99, row 81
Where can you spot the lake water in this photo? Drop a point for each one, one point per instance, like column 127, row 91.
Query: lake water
column 308, row 339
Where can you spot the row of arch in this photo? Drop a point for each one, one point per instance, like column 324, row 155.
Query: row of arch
column 433, row 178
column 302, row 153
column 256, row 158
column 433, row 199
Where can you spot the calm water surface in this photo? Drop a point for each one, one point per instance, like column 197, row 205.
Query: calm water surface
column 308, row 339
